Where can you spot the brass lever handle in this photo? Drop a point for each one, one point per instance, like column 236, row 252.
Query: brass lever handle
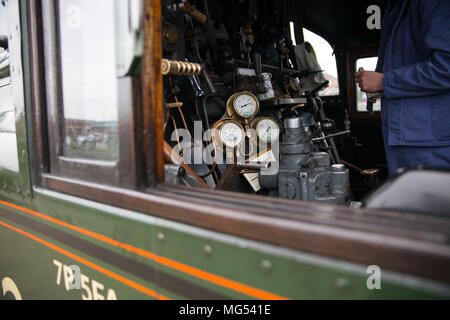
column 180, row 68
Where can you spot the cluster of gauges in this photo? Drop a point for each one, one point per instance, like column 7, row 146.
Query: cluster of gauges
column 242, row 108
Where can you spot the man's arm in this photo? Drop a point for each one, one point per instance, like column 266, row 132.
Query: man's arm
column 431, row 76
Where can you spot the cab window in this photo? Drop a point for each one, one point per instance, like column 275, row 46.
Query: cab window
column 326, row 59
column 88, row 102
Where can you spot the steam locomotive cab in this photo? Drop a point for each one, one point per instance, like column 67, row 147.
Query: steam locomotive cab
column 243, row 106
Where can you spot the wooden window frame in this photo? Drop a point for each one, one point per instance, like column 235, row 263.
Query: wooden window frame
column 328, row 230
column 120, row 172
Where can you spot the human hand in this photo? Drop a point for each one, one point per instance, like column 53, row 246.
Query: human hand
column 370, row 81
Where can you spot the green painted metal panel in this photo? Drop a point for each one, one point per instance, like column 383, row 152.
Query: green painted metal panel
column 276, row 270
column 32, row 267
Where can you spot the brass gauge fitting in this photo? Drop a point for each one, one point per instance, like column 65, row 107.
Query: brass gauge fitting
column 229, row 133
column 266, row 129
column 243, row 106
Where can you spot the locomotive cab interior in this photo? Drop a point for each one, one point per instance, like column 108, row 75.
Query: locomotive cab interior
column 248, row 107
column 250, row 96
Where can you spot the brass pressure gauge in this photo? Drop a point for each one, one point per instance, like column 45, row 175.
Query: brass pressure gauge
column 243, row 106
column 229, row 133
column 267, row 129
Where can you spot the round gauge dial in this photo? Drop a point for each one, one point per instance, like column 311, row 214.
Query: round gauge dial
column 232, row 134
column 245, row 105
column 267, row 130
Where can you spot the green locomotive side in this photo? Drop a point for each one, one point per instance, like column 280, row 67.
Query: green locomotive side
column 128, row 255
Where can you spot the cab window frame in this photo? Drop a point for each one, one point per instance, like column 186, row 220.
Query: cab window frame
column 121, row 172
column 353, row 55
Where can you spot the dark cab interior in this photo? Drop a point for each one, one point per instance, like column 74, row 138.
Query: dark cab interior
column 237, row 42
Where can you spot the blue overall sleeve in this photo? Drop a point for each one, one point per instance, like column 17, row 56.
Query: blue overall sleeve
column 431, row 76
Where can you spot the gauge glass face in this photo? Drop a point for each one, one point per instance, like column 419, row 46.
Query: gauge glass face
column 267, row 130
column 245, row 106
column 231, row 134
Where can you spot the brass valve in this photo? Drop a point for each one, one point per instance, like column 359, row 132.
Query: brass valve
column 186, row 7
column 180, row 68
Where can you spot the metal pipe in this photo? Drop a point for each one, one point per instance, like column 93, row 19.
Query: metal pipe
column 209, row 83
column 254, row 166
column 330, row 136
column 205, row 110
column 171, row 156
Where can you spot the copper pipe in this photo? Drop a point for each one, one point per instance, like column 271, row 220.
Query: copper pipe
column 348, row 164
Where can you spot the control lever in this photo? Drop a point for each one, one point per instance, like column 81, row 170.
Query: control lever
column 330, row 136
column 180, row 68
column 317, row 105
column 372, row 97
column 198, row 91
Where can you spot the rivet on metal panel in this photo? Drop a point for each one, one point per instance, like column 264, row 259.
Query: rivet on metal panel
column 266, row 265
column 208, row 249
column 161, row 237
